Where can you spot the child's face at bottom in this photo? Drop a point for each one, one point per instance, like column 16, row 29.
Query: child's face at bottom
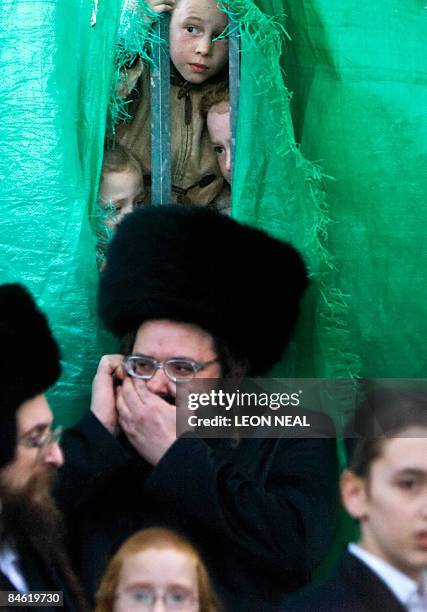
column 123, row 189
column 218, row 122
column 160, row 579
column 194, row 25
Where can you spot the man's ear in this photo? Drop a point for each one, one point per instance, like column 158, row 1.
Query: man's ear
column 354, row 494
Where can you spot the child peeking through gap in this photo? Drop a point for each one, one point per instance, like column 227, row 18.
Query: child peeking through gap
column 215, row 108
column 199, row 59
column 121, row 191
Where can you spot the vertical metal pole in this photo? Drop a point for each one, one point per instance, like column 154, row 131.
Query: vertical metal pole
column 234, row 83
column 160, row 118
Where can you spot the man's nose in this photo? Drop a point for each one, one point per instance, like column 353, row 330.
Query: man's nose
column 423, row 506
column 228, row 159
column 53, row 455
column 204, row 45
column 159, row 382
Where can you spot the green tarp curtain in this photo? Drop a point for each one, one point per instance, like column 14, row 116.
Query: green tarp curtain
column 358, row 74
column 56, row 73
column 276, row 188
column 359, row 77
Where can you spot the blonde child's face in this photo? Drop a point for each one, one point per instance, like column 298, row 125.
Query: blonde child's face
column 122, row 189
column 194, row 25
column 218, row 122
column 158, row 580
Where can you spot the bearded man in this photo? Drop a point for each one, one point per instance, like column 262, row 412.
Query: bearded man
column 32, row 556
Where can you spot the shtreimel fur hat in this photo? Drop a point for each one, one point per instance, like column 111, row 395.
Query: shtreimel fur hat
column 29, row 359
column 194, row 265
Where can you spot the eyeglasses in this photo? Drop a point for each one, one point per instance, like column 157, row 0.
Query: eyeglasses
column 176, row 369
column 41, row 441
column 144, row 599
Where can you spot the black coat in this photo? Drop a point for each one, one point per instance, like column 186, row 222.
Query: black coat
column 262, row 514
column 354, row 588
column 39, row 577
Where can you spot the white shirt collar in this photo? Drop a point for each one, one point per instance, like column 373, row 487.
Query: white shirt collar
column 404, row 588
column 10, row 567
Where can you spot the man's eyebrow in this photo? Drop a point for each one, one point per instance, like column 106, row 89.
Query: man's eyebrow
column 37, row 429
column 412, row 471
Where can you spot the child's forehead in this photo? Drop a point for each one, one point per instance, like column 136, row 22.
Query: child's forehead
column 408, row 449
column 126, row 175
column 202, row 9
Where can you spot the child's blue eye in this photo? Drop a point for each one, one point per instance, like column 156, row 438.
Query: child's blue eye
column 191, row 29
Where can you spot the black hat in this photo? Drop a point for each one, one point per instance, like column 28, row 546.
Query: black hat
column 29, row 359
column 194, row 265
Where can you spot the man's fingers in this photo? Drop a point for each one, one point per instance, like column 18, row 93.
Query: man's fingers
column 148, row 396
column 159, row 3
column 140, row 388
column 130, row 396
column 120, row 404
column 130, row 410
column 110, row 364
column 163, row 7
column 120, row 372
column 122, row 411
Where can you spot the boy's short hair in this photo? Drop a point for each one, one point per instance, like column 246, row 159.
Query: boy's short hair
column 119, row 159
column 216, row 95
column 386, row 413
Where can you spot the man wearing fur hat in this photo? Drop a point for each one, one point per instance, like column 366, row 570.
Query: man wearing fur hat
column 190, row 294
column 32, row 556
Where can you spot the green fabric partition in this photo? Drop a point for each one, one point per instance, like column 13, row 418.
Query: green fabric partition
column 359, row 77
column 276, row 188
column 56, row 78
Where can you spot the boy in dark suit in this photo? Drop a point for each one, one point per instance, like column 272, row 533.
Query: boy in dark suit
column 385, row 489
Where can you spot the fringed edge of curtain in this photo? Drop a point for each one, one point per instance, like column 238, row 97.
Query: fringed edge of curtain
column 135, row 39
column 267, row 34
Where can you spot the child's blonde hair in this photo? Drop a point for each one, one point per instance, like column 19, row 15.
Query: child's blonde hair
column 216, row 95
column 119, row 159
column 158, row 538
